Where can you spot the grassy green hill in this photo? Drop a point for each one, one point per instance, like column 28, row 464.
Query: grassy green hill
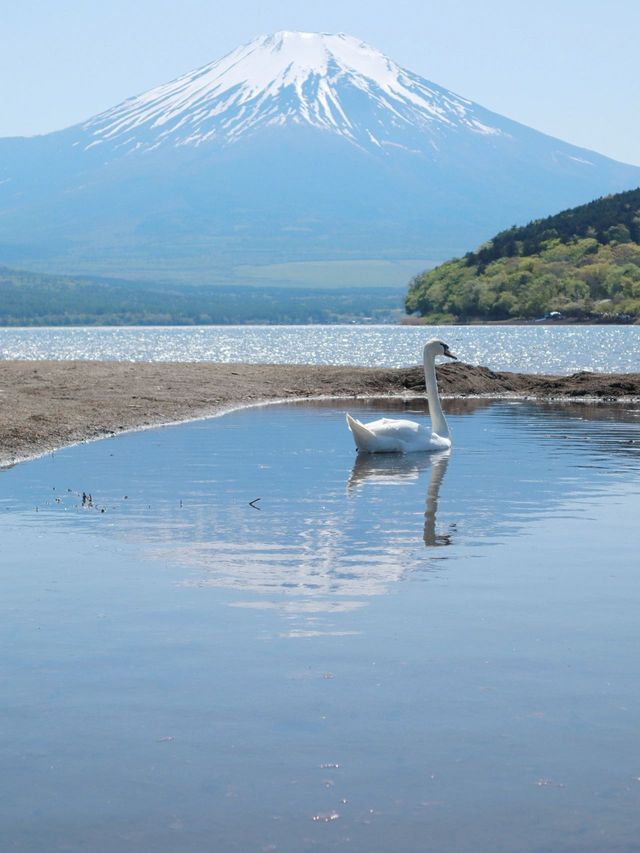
column 37, row 299
column 583, row 263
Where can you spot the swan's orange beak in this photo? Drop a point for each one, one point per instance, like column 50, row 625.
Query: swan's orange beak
column 449, row 354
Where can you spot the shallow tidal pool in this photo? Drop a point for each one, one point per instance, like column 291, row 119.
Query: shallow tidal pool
column 380, row 654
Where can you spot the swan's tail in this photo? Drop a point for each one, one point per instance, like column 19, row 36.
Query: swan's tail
column 361, row 435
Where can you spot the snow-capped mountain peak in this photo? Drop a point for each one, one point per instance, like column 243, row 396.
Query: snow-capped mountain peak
column 294, row 147
column 331, row 82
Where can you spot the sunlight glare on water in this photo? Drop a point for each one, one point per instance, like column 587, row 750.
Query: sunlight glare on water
column 527, row 349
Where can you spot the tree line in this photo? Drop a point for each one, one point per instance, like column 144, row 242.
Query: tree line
column 33, row 299
column 583, row 263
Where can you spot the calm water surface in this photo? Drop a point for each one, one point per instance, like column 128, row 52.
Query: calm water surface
column 528, row 349
column 385, row 654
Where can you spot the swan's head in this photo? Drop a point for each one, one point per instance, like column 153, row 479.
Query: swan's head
column 437, row 347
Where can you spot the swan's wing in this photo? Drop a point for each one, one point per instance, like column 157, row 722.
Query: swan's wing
column 388, row 435
column 368, row 441
column 363, row 437
column 385, row 435
column 397, row 429
column 405, row 436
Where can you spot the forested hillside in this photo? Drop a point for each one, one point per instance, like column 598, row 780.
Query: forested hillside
column 34, row 299
column 583, row 263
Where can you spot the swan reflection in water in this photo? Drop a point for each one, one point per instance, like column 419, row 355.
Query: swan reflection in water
column 395, row 470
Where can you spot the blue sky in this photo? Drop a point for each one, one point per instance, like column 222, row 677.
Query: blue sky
column 566, row 67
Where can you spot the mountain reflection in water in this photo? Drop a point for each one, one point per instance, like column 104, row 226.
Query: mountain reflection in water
column 184, row 672
column 333, row 531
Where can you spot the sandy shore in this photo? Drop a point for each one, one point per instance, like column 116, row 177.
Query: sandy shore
column 48, row 404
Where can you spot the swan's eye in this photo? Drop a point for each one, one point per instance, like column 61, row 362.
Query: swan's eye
column 446, row 351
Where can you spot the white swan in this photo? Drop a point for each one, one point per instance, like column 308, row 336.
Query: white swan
column 388, row 435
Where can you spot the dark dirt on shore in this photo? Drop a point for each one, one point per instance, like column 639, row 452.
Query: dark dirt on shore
column 48, row 404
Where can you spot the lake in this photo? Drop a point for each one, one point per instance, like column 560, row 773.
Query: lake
column 527, row 349
column 235, row 635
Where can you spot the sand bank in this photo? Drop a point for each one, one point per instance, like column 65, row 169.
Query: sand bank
column 48, row 404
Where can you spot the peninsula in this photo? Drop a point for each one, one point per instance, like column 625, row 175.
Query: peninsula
column 45, row 405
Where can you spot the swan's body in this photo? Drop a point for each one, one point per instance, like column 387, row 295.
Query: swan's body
column 388, row 435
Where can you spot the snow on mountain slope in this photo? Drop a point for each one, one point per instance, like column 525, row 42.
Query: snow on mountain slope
column 332, row 82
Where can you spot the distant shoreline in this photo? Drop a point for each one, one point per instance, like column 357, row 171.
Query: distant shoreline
column 362, row 321
column 566, row 321
column 46, row 405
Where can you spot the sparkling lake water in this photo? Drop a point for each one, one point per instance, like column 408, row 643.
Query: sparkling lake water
column 527, row 349
column 381, row 654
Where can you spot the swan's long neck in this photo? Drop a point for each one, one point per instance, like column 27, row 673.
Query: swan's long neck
column 438, row 423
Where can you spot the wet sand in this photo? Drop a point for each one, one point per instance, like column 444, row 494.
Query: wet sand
column 45, row 405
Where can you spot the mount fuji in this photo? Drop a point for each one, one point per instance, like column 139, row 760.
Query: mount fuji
column 294, row 147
